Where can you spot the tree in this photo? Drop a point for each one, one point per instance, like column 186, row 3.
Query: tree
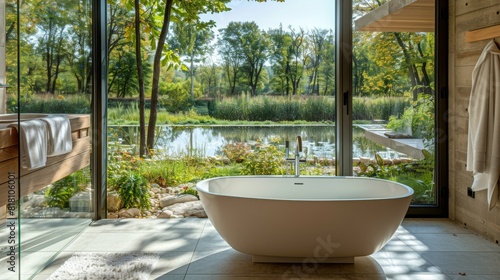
column 298, row 58
column 161, row 17
column 318, row 38
column 52, row 27
column 194, row 42
column 232, row 57
column 184, row 11
column 247, row 38
column 401, row 60
column 280, row 59
column 326, row 72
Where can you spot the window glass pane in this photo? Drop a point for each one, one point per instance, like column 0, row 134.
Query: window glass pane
column 394, row 96
column 231, row 95
column 47, row 61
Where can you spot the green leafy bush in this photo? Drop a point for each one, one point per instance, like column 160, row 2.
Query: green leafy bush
column 60, row 192
column 236, row 152
column 189, row 191
column 134, row 190
column 417, row 119
column 265, row 160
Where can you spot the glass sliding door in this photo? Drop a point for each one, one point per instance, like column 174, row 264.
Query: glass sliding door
column 396, row 98
column 47, row 112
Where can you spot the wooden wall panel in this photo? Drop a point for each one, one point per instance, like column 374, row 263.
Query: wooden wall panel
column 471, row 212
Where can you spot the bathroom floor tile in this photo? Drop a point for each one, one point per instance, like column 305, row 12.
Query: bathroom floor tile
column 167, row 277
column 468, row 263
column 191, row 249
column 237, row 277
column 211, row 240
column 150, row 225
column 172, row 263
column 421, row 225
column 418, row 276
column 231, row 262
column 137, row 241
column 55, row 264
column 447, row 242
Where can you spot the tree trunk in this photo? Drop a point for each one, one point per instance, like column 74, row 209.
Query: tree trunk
column 140, row 78
column 411, row 67
column 191, row 75
column 156, row 74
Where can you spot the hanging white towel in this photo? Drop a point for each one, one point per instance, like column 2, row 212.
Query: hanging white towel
column 32, row 143
column 59, row 135
column 483, row 148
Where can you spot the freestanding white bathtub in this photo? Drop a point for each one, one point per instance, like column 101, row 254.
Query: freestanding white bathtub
column 297, row 219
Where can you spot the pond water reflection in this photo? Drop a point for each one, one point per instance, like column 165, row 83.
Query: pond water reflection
column 206, row 141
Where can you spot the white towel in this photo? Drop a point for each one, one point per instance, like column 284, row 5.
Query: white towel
column 59, row 132
column 32, row 143
column 483, row 148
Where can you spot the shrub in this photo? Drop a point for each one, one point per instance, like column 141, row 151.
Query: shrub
column 265, row 160
column 236, row 152
column 60, row 192
column 190, row 191
column 134, row 190
column 417, row 119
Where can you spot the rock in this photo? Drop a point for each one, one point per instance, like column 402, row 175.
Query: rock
column 186, row 209
column 35, row 200
column 174, row 199
column 156, row 190
column 166, row 214
column 114, row 201
column 113, row 215
column 196, row 213
column 129, row 213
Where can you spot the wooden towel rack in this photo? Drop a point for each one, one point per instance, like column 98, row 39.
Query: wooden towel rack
column 482, row 34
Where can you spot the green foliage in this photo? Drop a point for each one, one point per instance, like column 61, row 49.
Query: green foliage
column 175, row 96
column 417, row 175
column 278, row 109
column 134, row 190
column 122, row 114
column 60, row 192
column 171, row 172
column 120, row 163
column 50, row 104
column 189, row 191
column 265, row 160
column 313, row 109
column 417, row 119
column 236, row 152
column 382, row 108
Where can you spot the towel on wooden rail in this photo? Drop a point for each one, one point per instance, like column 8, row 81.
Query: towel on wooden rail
column 59, row 140
column 33, row 136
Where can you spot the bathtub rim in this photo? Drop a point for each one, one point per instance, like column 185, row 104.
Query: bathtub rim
column 205, row 182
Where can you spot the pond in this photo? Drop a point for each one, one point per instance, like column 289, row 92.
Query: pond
column 206, row 141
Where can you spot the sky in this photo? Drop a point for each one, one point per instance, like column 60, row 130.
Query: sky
column 307, row 14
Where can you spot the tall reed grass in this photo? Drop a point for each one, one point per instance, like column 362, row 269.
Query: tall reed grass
column 316, row 109
column 241, row 108
column 50, row 104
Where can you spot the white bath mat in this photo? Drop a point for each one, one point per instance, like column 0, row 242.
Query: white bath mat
column 106, row 266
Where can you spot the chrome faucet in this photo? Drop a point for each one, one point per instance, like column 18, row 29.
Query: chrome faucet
column 295, row 161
